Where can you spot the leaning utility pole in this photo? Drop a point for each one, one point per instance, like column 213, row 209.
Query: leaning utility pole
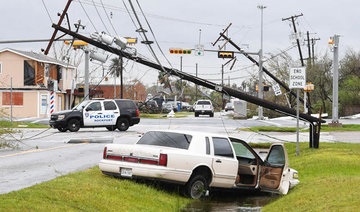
column 297, row 37
column 309, row 50
column 56, row 30
column 247, row 55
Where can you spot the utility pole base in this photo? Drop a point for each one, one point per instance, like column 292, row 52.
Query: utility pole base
column 338, row 125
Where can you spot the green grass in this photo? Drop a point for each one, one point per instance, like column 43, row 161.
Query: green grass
column 17, row 124
column 269, row 129
column 90, row 190
column 164, row 115
column 324, row 128
column 345, row 127
column 329, row 179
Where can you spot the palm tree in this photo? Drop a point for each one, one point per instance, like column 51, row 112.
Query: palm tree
column 116, row 71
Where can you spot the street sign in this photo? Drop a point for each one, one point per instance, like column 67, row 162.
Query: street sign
column 199, row 50
column 297, row 78
column 277, row 89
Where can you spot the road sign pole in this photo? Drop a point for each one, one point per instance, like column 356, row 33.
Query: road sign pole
column 297, row 122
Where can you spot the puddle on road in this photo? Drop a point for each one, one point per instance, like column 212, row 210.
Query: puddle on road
column 239, row 202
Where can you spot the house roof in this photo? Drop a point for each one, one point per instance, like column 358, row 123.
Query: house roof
column 38, row 57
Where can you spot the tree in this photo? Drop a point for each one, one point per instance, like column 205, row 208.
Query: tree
column 115, row 67
column 321, row 76
column 116, row 71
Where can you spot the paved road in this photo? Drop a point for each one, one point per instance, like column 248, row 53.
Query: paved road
column 44, row 154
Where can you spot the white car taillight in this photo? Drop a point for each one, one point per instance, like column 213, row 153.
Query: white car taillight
column 163, row 159
column 104, row 154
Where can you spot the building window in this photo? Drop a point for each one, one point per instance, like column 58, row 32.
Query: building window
column 0, row 68
column 17, row 98
column 44, row 104
column 59, row 73
column 29, row 74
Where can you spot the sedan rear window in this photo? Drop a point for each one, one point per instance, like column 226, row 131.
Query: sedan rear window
column 167, row 139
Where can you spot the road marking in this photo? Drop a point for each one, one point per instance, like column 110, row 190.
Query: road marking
column 40, row 150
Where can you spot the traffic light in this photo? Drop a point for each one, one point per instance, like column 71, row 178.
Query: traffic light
column 265, row 88
column 180, row 51
column 76, row 44
column 225, row 54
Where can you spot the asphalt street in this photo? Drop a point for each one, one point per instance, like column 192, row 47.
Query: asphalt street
column 44, row 154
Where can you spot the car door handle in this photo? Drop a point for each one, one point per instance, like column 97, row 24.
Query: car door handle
column 99, row 113
column 218, row 161
column 116, row 112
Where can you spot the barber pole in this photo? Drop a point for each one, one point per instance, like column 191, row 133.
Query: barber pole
column 52, row 101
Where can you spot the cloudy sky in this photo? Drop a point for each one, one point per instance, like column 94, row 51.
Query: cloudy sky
column 176, row 24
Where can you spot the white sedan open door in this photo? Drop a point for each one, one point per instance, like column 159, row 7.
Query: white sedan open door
column 275, row 175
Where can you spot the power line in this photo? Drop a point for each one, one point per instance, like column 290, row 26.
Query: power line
column 159, row 16
column 87, row 16
column 97, row 11
column 108, row 18
column 141, row 29
column 153, row 33
column 47, row 11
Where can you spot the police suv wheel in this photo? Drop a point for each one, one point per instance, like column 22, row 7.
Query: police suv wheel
column 74, row 125
column 123, row 124
column 112, row 128
column 62, row 129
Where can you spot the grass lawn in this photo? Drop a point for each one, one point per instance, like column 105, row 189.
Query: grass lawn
column 90, row 190
column 17, row 124
column 163, row 115
column 329, row 179
column 324, row 128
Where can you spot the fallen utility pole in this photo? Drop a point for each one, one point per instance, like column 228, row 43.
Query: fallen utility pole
column 314, row 122
column 264, row 69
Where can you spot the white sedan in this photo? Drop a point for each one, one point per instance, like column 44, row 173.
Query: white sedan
column 200, row 161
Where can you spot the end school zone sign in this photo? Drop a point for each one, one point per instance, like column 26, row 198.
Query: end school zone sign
column 297, row 78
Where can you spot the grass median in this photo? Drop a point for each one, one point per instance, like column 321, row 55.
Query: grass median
column 329, row 179
column 90, row 190
column 18, row 124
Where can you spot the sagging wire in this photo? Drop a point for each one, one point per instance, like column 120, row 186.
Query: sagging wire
column 97, row 11
column 87, row 15
column 108, row 18
column 47, row 11
column 153, row 33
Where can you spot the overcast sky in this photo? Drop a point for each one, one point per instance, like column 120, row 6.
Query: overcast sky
column 177, row 23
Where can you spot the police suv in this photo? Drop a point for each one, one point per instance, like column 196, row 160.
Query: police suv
column 110, row 113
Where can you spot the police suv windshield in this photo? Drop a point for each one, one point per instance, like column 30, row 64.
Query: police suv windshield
column 81, row 105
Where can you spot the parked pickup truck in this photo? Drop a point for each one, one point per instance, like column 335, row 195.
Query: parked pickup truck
column 199, row 161
column 110, row 113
